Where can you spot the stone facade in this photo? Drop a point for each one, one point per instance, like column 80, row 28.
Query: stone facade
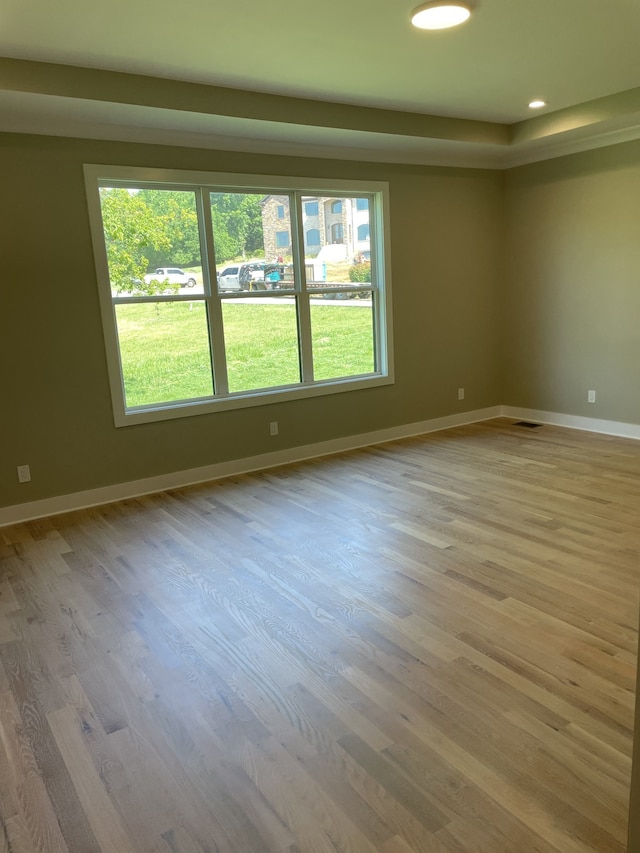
column 336, row 222
column 276, row 219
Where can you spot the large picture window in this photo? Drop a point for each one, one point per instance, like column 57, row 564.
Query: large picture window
column 207, row 304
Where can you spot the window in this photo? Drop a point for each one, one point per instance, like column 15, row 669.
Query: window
column 362, row 204
column 311, row 208
column 218, row 333
column 280, row 211
column 337, row 233
column 336, row 207
column 363, row 232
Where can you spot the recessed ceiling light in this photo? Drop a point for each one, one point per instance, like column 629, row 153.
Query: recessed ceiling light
column 440, row 14
column 536, row 105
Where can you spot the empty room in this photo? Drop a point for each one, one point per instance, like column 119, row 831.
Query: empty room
column 319, row 446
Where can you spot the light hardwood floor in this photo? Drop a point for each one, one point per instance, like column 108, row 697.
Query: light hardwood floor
column 422, row 646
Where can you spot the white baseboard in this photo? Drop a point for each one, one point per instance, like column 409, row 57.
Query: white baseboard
column 135, row 488
column 618, row 428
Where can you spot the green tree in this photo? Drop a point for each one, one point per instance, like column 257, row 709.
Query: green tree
column 254, row 240
column 175, row 211
column 226, row 247
column 132, row 233
column 237, row 225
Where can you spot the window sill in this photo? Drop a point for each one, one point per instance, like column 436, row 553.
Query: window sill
column 172, row 411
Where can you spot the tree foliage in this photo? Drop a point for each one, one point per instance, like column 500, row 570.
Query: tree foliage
column 237, row 225
column 131, row 232
column 175, row 211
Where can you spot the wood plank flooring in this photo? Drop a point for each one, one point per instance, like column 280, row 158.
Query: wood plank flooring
column 422, row 646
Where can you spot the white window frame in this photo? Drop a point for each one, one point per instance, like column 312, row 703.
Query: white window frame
column 203, row 182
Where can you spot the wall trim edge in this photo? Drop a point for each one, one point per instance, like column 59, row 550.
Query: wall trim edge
column 32, row 510
column 617, row 428
column 19, row 513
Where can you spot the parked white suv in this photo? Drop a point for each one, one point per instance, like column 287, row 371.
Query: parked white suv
column 171, row 275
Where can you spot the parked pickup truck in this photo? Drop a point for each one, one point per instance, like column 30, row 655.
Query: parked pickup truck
column 172, row 275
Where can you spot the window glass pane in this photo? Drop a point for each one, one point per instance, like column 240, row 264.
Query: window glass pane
column 339, row 251
column 261, row 339
column 242, row 243
column 152, row 241
column 342, row 336
column 311, row 208
column 164, row 350
column 238, row 239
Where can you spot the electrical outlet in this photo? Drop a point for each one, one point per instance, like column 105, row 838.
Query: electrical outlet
column 460, row 393
column 24, row 474
column 273, row 428
column 591, row 396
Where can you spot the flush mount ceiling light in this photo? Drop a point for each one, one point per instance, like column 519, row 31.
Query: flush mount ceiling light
column 537, row 104
column 440, row 14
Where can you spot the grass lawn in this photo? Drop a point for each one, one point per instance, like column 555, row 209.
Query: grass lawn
column 165, row 348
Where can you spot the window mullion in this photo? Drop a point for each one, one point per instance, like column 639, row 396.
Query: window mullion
column 379, row 315
column 304, row 311
column 212, row 297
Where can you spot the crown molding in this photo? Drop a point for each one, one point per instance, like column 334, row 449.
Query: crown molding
column 69, row 101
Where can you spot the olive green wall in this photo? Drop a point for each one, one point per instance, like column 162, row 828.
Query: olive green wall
column 572, row 300
column 446, row 233
column 571, row 305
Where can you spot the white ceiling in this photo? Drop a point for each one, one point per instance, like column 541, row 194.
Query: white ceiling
column 359, row 52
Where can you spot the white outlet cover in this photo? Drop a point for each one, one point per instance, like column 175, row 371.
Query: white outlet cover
column 24, row 474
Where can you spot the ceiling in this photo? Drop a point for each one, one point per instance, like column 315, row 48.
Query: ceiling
column 338, row 79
